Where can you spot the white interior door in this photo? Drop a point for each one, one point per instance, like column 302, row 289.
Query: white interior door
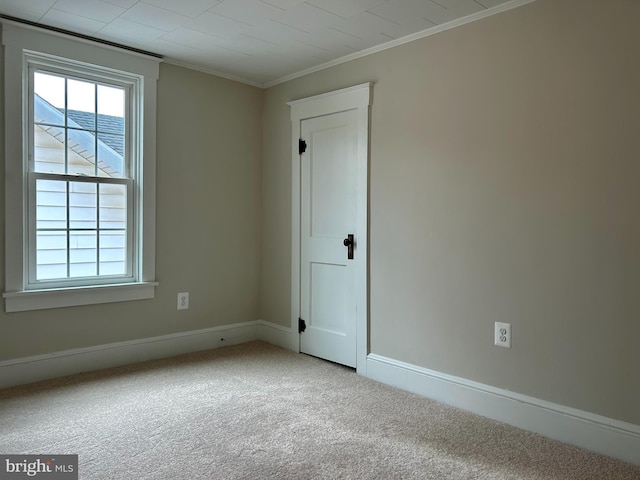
column 329, row 202
column 329, row 186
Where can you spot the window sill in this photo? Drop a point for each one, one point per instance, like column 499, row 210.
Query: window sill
column 70, row 297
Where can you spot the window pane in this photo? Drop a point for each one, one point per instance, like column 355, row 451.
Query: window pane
column 81, row 120
column 111, row 109
column 48, row 101
column 83, row 203
column 81, row 153
column 51, row 255
column 113, row 141
column 81, row 104
column 48, row 149
column 113, row 206
column 113, row 249
column 51, row 204
column 111, row 130
column 110, row 155
column 82, row 254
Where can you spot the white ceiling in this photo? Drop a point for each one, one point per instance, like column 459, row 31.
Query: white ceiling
column 260, row 42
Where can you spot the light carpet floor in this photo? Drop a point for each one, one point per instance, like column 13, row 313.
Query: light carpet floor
column 255, row 411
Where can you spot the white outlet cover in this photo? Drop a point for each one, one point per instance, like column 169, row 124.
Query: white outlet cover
column 502, row 335
column 183, row 301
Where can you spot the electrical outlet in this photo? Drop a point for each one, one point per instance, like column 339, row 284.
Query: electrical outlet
column 502, row 335
column 183, row 301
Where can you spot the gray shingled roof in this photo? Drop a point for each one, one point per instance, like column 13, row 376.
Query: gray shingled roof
column 110, row 128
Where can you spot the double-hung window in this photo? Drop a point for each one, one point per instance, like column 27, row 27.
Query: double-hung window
column 81, row 175
column 80, row 170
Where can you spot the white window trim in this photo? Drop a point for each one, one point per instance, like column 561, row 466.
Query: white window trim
column 18, row 39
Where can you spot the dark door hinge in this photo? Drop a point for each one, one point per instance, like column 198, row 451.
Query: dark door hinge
column 302, row 146
column 302, row 325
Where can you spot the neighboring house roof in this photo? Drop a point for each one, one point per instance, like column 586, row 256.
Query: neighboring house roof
column 107, row 124
column 80, row 141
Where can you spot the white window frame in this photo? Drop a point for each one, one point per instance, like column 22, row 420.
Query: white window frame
column 25, row 45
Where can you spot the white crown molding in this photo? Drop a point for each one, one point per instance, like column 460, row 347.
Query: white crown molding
column 401, row 41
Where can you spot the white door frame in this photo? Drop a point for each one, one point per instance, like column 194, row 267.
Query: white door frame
column 358, row 98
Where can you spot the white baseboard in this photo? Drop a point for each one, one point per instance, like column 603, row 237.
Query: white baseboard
column 274, row 334
column 576, row 427
column 583, row 429
column 41, row 367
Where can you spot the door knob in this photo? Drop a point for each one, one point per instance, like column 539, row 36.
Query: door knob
column 348, row 242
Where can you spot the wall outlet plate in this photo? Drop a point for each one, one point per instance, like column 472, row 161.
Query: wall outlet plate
column 183, row 301
column 502, row 335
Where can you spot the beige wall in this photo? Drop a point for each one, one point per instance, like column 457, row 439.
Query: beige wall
column 208, row 225
column 504, row 187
